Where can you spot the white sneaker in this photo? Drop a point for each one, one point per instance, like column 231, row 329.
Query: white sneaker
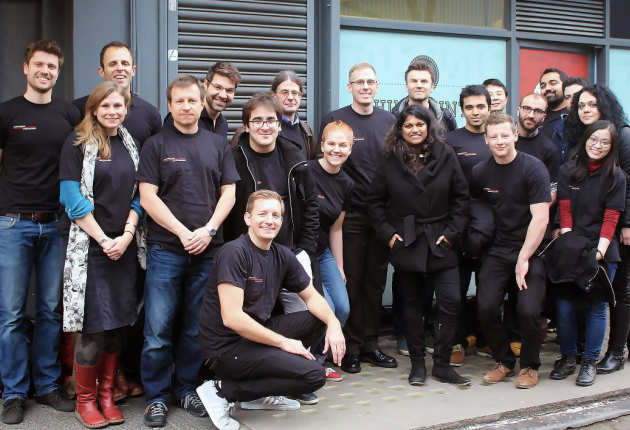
column 271, row 403
column 217, row 407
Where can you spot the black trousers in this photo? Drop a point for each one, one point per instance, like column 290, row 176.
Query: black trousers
column 467, row 322
column 398, row 308
column 250, row 370
column 365, row 264
column 413, row 286
column 620, row 314
column 496, row 278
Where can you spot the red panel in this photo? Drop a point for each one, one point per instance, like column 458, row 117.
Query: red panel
column 534, row 61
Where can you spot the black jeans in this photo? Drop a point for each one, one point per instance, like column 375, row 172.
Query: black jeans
column 466, row 322
column 496, row 277
column 414, row 286
column 398, row 308
column 365, row 264
column 250, row 370
column 620, row 314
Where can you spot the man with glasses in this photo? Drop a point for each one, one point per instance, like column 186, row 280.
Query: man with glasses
column 365, row 257
column 498, row 93
column 551, row 87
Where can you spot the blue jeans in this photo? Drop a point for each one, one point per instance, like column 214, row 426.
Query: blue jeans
column 595, row 324
column 173, row 291
column 24, row 245
column 334, row 288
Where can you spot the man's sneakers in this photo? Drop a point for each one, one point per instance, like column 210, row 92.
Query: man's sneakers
column 332, row 376
column 56, row 400
column 218, row 408
column 457, row 355
column 192, row 404
column 307, row 399
column 527, row 378
column 13, row 411
column 402, row 346
column 498, row 374
column 155, row 414
column 271, row 403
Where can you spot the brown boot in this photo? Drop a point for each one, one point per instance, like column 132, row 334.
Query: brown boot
column 125, row 387
column 86, row 408
column 109, row 364
column 527, row 378
column 498, row 374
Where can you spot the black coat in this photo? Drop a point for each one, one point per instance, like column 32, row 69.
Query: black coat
column 420, row 208
column 304, row 215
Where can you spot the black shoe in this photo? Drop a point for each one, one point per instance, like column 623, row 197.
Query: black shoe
column 351, row 364
column 13, row 411
column 610, row 363
column 587, row 373
column 449, row 375
column 191, row 403
column 306, row 399
column 155, row 414
column 56, row 400
column 377, row 358
column 563, row 367
column 418, row 373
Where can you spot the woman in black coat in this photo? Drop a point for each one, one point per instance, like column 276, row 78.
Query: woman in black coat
column 418, row 205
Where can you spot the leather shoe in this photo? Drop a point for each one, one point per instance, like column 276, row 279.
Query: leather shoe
column 351, row 364
column 378, row 358
column 562, row 368
column 610, row 363
column 449, row 375
column 587, row 374
column 418, row 373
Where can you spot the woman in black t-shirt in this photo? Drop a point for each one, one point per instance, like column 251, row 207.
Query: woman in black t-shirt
column 591, row 197
column 99, row 193
column 418, row 205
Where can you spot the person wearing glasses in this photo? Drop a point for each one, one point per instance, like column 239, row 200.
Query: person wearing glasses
column 365, row 256
column 570, row 87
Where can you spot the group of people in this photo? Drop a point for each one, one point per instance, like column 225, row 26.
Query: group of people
column 242, row 268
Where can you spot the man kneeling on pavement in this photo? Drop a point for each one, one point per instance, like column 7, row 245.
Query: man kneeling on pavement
column 256, row 358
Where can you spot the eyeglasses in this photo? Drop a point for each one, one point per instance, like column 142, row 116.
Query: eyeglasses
column 590, row 105
column 527, row 110
column 363, row 82
column 592, row 141
column 259, row 122
column 220, row 88
column 287, row 93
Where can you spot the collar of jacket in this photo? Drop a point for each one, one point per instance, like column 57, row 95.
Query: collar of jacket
column 290, row 152
column 433, row 105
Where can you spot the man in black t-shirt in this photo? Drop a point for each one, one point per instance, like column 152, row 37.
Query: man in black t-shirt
column 186, row 181
column 365, row 257
column 550, row 84
column 516, row 185
column 33, row 128
column 255, row 356
column 143, row 119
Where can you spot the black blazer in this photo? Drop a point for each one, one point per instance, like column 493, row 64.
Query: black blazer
column 420, row 208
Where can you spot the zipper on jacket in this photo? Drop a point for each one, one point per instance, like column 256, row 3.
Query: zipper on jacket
column 248, row 169
column 290, row 201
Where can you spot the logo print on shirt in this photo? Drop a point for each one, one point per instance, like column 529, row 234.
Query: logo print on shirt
column 490, row 190
column 25, row 127
column 466, row 154
column 321, row 196
column 255, row 279
column 173, row 159
column 359, row 139
column 103, row 159
column 571, row 187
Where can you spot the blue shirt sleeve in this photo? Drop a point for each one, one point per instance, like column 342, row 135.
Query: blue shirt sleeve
column 71, row 198
column 135, row 204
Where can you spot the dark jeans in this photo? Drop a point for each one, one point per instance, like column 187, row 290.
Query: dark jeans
column 466, row 322
column 413, row 285
column 250, row 370
column 496, row 277
column 365, row 264
column 620, row 314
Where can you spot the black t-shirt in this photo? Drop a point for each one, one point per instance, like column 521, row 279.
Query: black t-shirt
column 189, row 170
column 113, row 182
column 333, row 196
column 271, row 173
column 142, row 121
column 510, row 189
column 367, row 151
column 220, row 127
column 31, row 138
column 260, row 273
column 470, row 148
column 541, row 147
column 293, row 132
column 551, row 121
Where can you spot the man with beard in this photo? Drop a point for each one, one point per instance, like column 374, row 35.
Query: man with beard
column 551, row 81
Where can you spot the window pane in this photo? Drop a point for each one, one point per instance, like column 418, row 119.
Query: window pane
column 619, row 10
column 478, row 13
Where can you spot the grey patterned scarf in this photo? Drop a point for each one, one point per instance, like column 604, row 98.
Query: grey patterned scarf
column 75, row 267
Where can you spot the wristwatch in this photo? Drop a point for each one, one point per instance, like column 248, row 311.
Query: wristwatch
column 212, row 231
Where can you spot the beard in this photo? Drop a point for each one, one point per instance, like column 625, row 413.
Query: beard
column 554, row 101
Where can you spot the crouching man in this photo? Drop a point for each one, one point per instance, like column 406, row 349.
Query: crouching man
column 257, row 358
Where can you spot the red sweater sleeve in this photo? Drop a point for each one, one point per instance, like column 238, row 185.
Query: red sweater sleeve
column 611, row 216
column 566, row 219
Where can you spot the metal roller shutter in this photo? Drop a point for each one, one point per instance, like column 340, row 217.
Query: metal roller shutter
column 261, row 37
column 567, row 17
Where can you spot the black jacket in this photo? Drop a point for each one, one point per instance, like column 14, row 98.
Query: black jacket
column 444, row 116
column 303, row 207
column 420, row 208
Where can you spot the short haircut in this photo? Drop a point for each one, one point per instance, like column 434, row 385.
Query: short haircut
column 421, row 65
column 114, row 44
column 183, row 81
column 497, row 117
column 497, row 83
column 574, row 80
column 563, row 76
column 263, row 195
column 48, row 46
column 338, row 125
column 226, row 69
column 474, row 90
column 359, row 66
column 261, row 99
column 287, row 75
column 534, row 95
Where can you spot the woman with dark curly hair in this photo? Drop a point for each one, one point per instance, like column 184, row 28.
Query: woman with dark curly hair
column 418, row 205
